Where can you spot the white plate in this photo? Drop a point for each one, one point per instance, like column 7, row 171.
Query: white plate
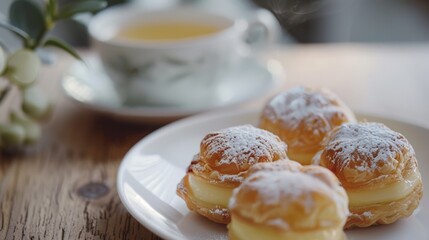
column 90, row 86
column 149, row 173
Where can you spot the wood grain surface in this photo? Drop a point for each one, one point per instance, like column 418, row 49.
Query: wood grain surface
column 65, row 186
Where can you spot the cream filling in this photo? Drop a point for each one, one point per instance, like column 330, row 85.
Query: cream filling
column 209, row 193
column 393, row 192
column 244, row 231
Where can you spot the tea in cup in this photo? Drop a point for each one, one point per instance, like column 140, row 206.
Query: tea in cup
column 171, row 57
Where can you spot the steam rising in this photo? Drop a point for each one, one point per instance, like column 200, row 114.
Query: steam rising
column 291, row 12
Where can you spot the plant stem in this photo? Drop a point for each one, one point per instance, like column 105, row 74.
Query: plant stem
column 38, row 40
column 4, row 92
column 49, row 24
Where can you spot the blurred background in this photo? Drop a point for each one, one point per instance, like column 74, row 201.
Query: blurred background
column 303, row 21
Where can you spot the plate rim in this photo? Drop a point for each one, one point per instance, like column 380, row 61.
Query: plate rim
column 189, row 121
column 177, row 124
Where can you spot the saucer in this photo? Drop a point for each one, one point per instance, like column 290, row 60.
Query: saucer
column 89, row 85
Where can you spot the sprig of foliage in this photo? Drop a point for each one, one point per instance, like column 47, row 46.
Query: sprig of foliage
column 28, row 17
column 31, row 23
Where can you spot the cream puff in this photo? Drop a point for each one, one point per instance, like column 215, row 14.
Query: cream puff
column 219, row 167
column 289, row 202
column 302, row 117
column 378, row 169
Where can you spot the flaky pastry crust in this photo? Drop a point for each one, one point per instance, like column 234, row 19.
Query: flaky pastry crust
column 367, row 157
column 385, row 213
column 296, row 199
column 302, row 117
column 223, row 160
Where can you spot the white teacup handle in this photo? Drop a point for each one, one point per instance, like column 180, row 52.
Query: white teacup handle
column 262, row 30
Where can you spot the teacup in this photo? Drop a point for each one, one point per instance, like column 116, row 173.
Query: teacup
column 169, row 67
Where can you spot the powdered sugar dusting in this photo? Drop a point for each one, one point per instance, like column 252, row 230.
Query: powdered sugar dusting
column 197, row 167
column 276, row 198
column 219, row 211
column 216, row 176
column 278, row 222
column 243, row 145
column 367, row 214
column 231, row 178
column 354, row 142
column 291, row 199
column 301, row 106
column 295, row 186
column 181, row 187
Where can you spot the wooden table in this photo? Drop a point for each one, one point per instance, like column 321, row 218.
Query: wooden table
column 65, row 186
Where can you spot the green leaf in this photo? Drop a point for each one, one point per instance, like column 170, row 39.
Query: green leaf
column 4, row 92
column 51, row 7
column 18, row 32
column 27, row 16
column 114, row 2
column 3, row 61
column 54, row 42
column 81, row 7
